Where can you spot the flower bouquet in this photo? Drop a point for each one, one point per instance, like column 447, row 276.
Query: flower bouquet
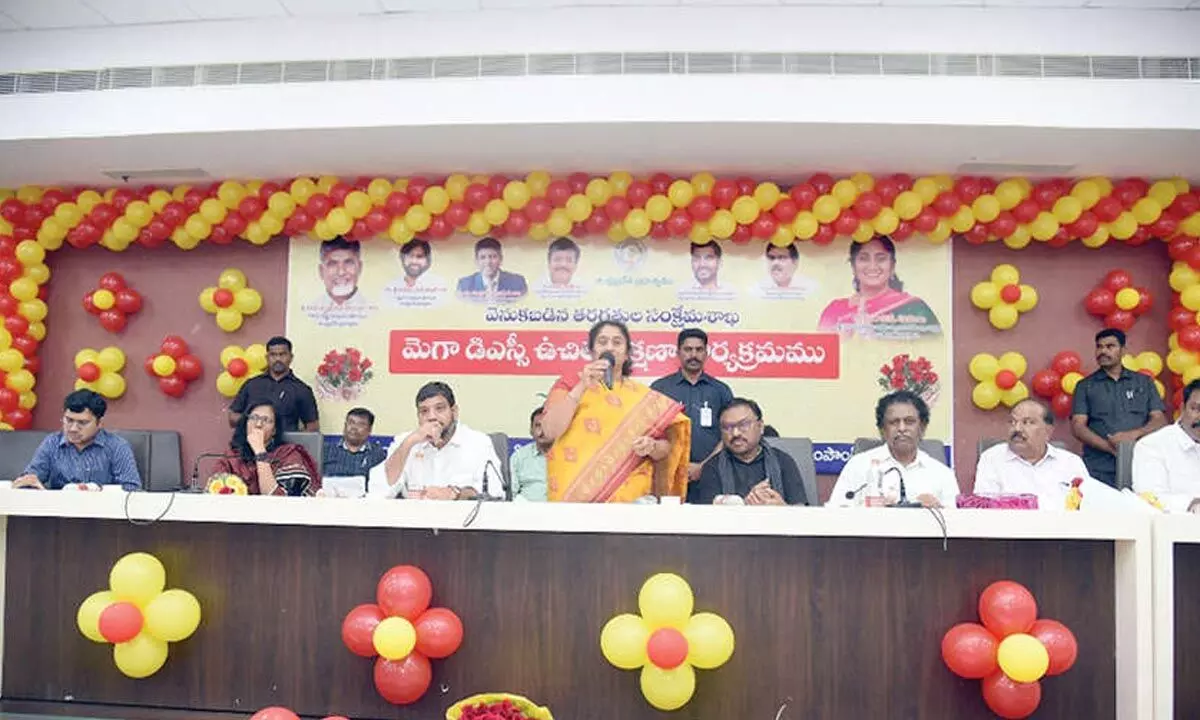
column 497, row 706
column 915, row 375
column 342, row 375
column 225, row 484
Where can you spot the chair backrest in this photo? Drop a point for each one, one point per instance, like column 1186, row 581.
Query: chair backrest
column 988, row 443
column 1124, row 465
column 313, row 442
column 934, row 448
column 166, row 462
column 139, row 442
column 500, row 443
column 801, row 450
column 16, row 450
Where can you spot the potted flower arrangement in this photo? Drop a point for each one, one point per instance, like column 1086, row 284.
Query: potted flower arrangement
column 342, row 374
column 913, row 374
column 497, row 706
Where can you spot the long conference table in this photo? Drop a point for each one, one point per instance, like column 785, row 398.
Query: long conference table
column 838, row 614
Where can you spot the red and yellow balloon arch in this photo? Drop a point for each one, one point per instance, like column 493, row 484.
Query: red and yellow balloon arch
column 976, row 210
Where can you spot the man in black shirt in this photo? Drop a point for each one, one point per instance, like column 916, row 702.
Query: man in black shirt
column 293, row 399
column 747, row 467
column 703, row 396
column 1113, row 405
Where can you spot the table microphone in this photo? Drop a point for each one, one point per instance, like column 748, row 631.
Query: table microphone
column 904, row 502
column 194, row 484
column 851, row 494
column 608, row 371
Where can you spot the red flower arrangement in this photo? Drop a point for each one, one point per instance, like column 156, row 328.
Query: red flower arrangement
column 915, row 375
column 342, row 375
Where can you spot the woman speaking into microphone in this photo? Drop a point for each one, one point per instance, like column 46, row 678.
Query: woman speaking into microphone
column 615, row 439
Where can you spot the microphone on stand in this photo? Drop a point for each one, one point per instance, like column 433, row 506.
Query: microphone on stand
column 485, row 495
column 194, row 484
column 851, row 494
column 608, row 372
column 904, row 502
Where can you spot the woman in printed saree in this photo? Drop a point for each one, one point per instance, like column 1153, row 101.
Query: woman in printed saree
column 618, row 443
column 267, row 464
column 879, row 307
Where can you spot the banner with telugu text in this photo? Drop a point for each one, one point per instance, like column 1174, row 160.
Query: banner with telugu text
column 811, row 335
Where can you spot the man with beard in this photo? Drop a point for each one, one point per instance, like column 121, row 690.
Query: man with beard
column 82, row 452
column 1113, row 405
column 527, row 464
column 1167, row 461
column 293, row 399
column 747, row 467
column 1028, row 463
column 703, row 396
column 706, row 265
column 418, row 286
column 901, row 418
column 442, row 459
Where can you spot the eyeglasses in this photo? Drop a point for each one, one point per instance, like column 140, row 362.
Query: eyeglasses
column 260, row 419
column 740, row 426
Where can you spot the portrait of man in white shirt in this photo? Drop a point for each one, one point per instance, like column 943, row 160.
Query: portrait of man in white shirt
column 783, row 282
column 706, row 270
column 442, row 459
column 417, row 287
column 562, row 264
column 1027, row 464
column 901, row 418
column 342, row 303
column 1167, row 461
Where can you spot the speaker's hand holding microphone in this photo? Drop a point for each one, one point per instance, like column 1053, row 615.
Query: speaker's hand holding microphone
column 598, row 371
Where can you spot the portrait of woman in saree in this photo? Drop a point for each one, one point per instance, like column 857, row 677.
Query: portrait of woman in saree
column 618, row 443
column 879, row 307
column 268, row 465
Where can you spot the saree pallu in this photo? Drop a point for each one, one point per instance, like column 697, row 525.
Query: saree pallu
column 293, row 467
column 593, row 461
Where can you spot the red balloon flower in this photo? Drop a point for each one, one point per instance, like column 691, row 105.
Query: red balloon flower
column 113, row 302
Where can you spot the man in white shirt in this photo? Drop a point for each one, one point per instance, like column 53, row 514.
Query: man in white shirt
column 782, row 281
column 1028, row 463
column 342, row 304
column 1167, row 461
column 901, row 418
column 442, row 459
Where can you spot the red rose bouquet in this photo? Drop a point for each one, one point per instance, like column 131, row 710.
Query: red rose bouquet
column 913, row 374
column 497, row 706
column 342, row 375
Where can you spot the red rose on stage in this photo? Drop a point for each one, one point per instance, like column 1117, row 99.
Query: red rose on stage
column 342, row 375
column 915, row 375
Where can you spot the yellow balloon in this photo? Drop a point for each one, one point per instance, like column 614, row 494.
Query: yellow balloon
column 1130, row 362
column 745, row 210
column 141, row 657
column 1005, row 274
column 125, row 231
column 805, row 225
column 173, row 616
column 184, row 240
column 1096, row 239
column 258, row 235
column 230, row 193
column 12, row 360
column 1014, row 362
column 340, row 221
column 5, row 339
column 88, row 616
column 20, row 380
column 110, row 359
column 1069, row 381
column 619, row 182
column 700, row 233
column 926, row 189
column 1009, row 194
column 399, row 231
column 681, row 193
column 983, row 366
column 1015, row 394
column 1163, row 193
column 598, row 191
column 826, row 209
column 379, row 189
column 281, row 204
column 28, row 400
column 1150, row 360
column 985, row 208
column 29, row 194
column 665, row 600
column 1023, row 658
column 23, row 288
column 103, row 299
column 211, row 210
column 845, row 192
column 1020, row 238
column 1190, row 298
column 766, row 195
column 783, row 236
column 227, row 385
column 206, row 300
column 623, row 641
column 247, row 301
column 231, row 279
column 908, row 205
column 163, row 365
column 702, row 183
column 722, row 224
column 1182, row 277
column 1191, row 374
column 1044, row 226
column 962, row 220
column 1128, row 298
column 139, row 213
column 1147, row 211
column 256, row 356
column 941, row 233
column 1162, row 389
column 325, row 183
column 1003, row 316
column 538, row 182
column 863, row 233
column 668, row 689
column 29, row 252
column 230, row 353
column 89, row 199
column 435, row 199
column 110, row 385
column 1067, row 209
column 229, row 319
column 1087, row 193
column 710, row 641
column 559, row 223
column 271, row 224
column 886, row 222
column 37, row 331
column 1028, row 299
column 578, row 208
column 616, row 233
column 496, row 212
column 637, row 223
column 539, row 232
column 1124, row 226
column 394, row 638
column 517, row 194
column 358, row 203
column 137, row 578
column 179, row 192
column 658, row 208
column 986, row 395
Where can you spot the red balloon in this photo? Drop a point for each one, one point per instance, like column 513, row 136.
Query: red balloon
column 638, row 193
column 926, row 221
column 1062, row 404
column 846, row 223
column 1010, row 293
column 1189, row 336
column 275, row 713
column 439, row 633
column 172, row 386
column 358, row 629
column 1100, row 302
column 397, row 204
column 33, row 364
column 9, row 399
column 235, row 223
column 1046, row 383
column 16, row 325
column 977, row 235
column 10, row 270
column 1060, row 643
column 112, row 281
column 825, row 235
column 88, row 372
column 701, row 208
column 745, row 185
column 888, row 189
column 220, row 236
column 517, row 223
column 1164, row 228
column 128, row 301
column 1066, row 362
column 268, row 189
column 868, row 205
column 338, row 193
column 496, row 185
column 148, row 366
column 1009, row 699
column 785, row 210
column 764, row 227
column 33, row 217
column 1192, row 257
column 188, row 368
column 659, row 231
column 173, row 214
column 1119, row 319
column 8, row 304
column 1180, row 317
column 1044, row 194
column 8, row 245
column 617, row 208
column 237, row 367
column 1107, row 209
column 969, row 650
column 680, row 223
column 1127, row 193
column 1026, row 211
column 120, row 622
column 1007, row 607
column 416, row 188
column 122, row 197
column 823, row 182
column 903, row 231
column 1006, row 379
column 967, row 189
column 1145, row 302
column 378, row 220
column 538, row 210
column 667, row 648
column 741, row 235
column 174, row 346
column 1085, row 226
column 404, row 590
column 557, row 193
column 222, row 297
column 477, row 196
column 1179, row 248
column 440, row 227
column 946, row 204
column 724, row 192
column 12, row 210
column 804, row 195
column 402, row 682
column 192, row 199
column 159, row 231
column 25, row 345
column 319, row 205
column 20, row 419
column 596, row 224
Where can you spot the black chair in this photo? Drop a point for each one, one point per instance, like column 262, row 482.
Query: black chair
column 313, row 442
column 500, row 443
column 166, row 462
column 801, row 450
column 16, row 450
column 934, row 448
column 1125, row 465
column 139, row 442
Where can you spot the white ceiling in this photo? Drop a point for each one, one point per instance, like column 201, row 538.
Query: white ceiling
column 47, row 14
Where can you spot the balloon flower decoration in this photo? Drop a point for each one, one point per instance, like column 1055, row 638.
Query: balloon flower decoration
column 1057, row 383
column 1117, row 301
column 138, row 616
column 282, row 713
column 667, row 641
column 239, row 366
column 113, row 302
column 1150, row 364
column 1004, row 297
column 402, row 632
column 999, row 380
column 100, row 371
column 1011, row 652
column 231, row 300
column 174, row 366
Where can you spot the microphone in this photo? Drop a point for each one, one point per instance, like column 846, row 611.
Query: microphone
column 485, row 495
column 851, row 494
column 904, row 502
column 608, row 372
column 194, row 484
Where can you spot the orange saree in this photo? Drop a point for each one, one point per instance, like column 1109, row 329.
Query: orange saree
column 593, row 461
